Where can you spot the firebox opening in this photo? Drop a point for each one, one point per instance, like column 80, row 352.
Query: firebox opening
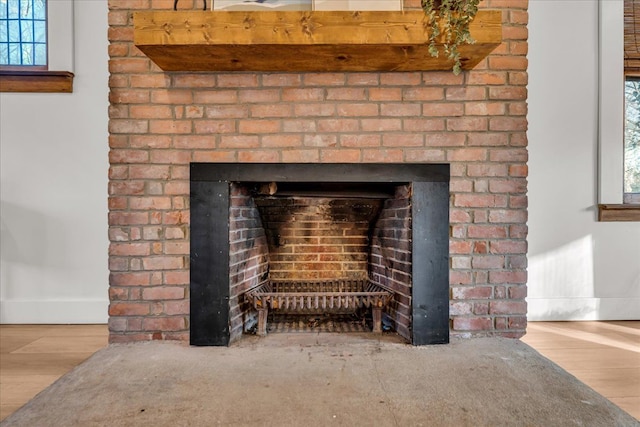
column 372, row 230
column 329, row 236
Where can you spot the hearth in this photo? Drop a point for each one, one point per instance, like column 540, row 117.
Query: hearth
column 257, row 229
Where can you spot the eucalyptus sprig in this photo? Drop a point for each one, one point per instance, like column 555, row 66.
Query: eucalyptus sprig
column 448, row 22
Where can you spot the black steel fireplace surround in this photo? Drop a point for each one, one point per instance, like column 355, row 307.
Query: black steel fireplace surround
column 209, row 233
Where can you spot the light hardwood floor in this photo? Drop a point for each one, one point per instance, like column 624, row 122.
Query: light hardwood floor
column 604, row 355
column 32, row 357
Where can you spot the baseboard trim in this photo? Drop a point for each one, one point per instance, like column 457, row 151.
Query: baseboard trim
column 550, row 309
column 54, row 311
column 96, row 311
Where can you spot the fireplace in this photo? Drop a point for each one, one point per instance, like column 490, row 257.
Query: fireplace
column 255, row 223
column 170, row 132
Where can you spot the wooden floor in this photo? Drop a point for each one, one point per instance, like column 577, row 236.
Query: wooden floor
column 604, row 355
column 32, row 357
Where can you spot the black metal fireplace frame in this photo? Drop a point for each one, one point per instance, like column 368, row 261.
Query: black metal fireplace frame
column 209, row 259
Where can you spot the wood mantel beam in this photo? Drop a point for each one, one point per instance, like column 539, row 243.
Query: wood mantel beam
column 302, row 41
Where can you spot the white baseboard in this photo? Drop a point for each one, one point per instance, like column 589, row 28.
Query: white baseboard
column 54, row 311
column 550, row 309
column 96, row 311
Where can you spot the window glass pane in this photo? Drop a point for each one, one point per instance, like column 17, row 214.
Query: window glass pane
column 14, row 54
column 27, row 54
column 27, row 31
column 3, row 31
column 40, row 31
column 39, row 9
column 41, row 54
column 13, row 7
column 26, row 11
column 4, row 7
column 14, row 31
column 632, row 136
column 4, row 53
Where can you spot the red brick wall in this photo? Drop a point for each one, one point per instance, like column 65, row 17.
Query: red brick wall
column 160, row 122
column 248, row 258
column 391, row 258
column 318, row 238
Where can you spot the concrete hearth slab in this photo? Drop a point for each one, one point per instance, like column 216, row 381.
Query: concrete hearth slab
column 318, row 380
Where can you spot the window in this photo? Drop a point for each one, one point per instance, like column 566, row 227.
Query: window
column 36, row 40
column 619, row 56
column 632, row 140
column 631, row 101
column 23, row 33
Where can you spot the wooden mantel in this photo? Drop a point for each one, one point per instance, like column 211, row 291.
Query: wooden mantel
column 302, row 41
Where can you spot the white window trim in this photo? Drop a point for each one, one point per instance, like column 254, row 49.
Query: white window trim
column 60, row 35
column 611, row 102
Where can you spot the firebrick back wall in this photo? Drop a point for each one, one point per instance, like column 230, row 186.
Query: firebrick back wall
column 161, row 122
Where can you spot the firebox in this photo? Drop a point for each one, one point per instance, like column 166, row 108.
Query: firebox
column 377, row 232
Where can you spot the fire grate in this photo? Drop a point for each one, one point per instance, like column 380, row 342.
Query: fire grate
column 318, row 297
column 323, row 286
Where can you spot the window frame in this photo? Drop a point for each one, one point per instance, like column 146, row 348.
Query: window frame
column 58, row 75
column 611, row 206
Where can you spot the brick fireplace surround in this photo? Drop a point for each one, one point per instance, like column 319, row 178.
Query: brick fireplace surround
column 161, row 123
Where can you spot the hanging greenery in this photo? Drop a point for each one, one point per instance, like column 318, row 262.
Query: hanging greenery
column 448, row 22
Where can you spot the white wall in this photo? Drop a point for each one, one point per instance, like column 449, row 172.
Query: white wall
column 579, row 268
column 53, row 187
column 53, row 190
